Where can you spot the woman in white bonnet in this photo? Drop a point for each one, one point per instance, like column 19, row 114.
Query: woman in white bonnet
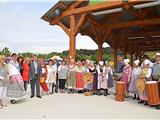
column 102, row 81
column 126, row 75
column 109, row 73
column 134, row 76
column 145, row 74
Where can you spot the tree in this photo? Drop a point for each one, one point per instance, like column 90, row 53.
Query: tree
column 5, row 51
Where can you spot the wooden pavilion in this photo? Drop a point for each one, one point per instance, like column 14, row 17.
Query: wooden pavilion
column 132, row 26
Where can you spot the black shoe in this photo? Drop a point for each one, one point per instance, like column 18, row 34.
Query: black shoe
column 99, row 94
column 158, row 107
column 39, row 96
column 32, row 96
column 72, row 91
column 141, row 101
column 105, row 94
column 69, row 91
column 13, row 102
column 134, row 98
column 145, row 103
column 126, row 96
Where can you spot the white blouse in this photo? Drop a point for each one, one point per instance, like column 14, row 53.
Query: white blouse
column 13, row 68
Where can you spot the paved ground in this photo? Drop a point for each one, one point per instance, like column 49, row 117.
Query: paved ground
column 77, row 106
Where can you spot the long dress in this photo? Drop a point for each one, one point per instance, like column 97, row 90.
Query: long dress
column 134, row 77
column 89, row 86
column 95, row 80
column 146, row 75
column 15, row 87
column 25, row 75
column 126, row 74
column 3, row 80
column 109, row 73
column 79, row 78
column 71, row 81
column 51, row 77
column 43, row 78
column 102, row 81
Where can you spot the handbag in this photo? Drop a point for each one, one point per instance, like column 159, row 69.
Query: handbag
column 42, row 79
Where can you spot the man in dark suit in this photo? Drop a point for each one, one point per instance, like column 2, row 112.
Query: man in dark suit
column 35, row 74
column 56, row 64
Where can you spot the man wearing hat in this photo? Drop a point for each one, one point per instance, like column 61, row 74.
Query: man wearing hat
column 156, row 73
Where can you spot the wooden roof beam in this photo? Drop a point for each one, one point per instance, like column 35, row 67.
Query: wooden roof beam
column 67, row 31
column 152, row 21
column 106, row 35
column 90, row 34
column 94, row 8
column 80, row 23
column 151, row 49
column 62, row 5
column 94, row 30
column 93, row 20
column 105, row 6
column 76, row 4
column 145, row 40
column 141, row 34
column 73, row 6
column 132, row 11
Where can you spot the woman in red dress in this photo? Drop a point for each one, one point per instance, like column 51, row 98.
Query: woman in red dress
column 79, row 77
column 25, row 72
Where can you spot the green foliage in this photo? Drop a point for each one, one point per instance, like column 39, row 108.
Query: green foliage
column 80, row 54
column 5, row 51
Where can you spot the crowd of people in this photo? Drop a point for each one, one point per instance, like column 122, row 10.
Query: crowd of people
column 82, row 76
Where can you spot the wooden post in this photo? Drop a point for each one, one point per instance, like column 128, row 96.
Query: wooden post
column 99, row 52
column 72, row 47
column 115, row 57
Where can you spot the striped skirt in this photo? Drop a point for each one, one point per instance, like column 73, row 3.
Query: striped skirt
column 15, row 88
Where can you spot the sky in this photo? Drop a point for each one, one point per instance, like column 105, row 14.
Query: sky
column 22, row 30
